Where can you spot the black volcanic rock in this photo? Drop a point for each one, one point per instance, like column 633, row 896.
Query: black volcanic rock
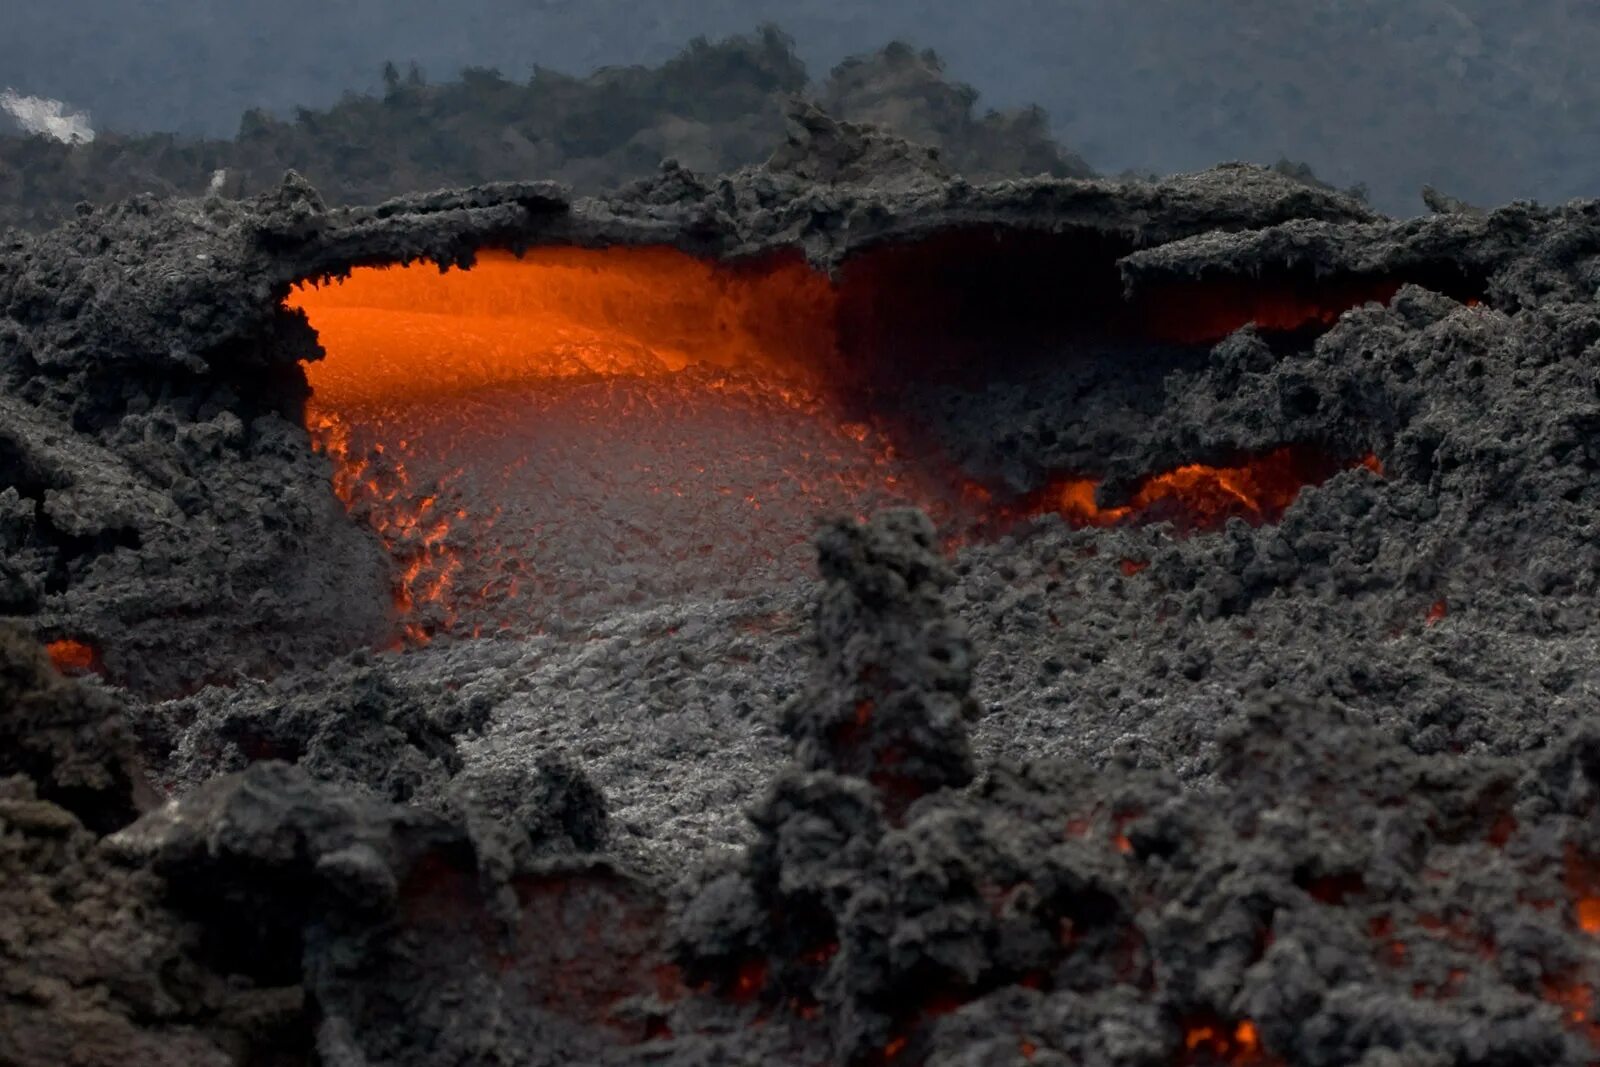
column 147, row 352
column 71, row 740
column 1330, row 894
column 1318, row 790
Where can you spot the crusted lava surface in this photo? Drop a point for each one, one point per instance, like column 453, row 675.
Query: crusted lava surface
column 1166, row 635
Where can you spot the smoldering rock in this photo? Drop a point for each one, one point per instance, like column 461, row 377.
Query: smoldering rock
column 70, row 740
column 892, row 698
column 397, row 920
column 1061, row 905
column 94, row 969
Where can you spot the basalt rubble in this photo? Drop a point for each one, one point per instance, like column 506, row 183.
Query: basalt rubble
column 1107, row 783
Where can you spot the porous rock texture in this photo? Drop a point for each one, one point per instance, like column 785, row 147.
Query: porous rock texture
column 272, row 916
column 1108, row 914
column 1321, row 791
column 166, row 505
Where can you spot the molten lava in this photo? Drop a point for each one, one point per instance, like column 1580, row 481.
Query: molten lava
column 73, row 657
column 1198, row 496
column 415, row 334
column 582, row 429
column 540, row 440
column 1210, row 1041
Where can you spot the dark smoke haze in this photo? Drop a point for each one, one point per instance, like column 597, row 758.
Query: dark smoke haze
column 1488, row 100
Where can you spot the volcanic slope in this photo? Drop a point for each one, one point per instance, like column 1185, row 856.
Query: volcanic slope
column 1130, row 774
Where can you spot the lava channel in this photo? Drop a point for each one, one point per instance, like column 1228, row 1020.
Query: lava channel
column 540, row 440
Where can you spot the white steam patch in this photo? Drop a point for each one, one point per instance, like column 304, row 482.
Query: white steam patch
column 38, row 114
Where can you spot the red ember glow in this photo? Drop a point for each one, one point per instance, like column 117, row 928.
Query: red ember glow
column 1577, row 1003
column 1212, row 310
column 1198, row 496
column 1208, row 1041
column 1583, row 882
column 73, row 657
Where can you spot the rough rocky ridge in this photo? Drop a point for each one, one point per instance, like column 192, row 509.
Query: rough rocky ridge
column 1318, row 790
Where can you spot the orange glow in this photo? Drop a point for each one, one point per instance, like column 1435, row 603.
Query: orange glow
column 666, row 378
column 1211, row 310
column 1213, row 1041
column 1583, row 883
column 750, row 981
column 1577, row 1003
column 1437, row 611
column 73, row 657
column 593, row 425
column 1199, row 496
column 405, row 333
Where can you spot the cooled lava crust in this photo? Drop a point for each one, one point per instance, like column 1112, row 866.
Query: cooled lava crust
column 1087, row 768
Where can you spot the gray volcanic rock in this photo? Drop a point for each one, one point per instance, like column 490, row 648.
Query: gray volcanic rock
column 363, row 730
column 1112, row 915
column 1314, row 788
column 71, row 741
column 389, row 915
column 892, row 699
column 93, row 968
column 147, row 352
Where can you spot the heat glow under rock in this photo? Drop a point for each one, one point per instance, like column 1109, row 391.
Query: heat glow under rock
column 576, row 429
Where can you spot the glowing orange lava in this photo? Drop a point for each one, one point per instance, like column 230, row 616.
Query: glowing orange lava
column 1583, row 882
column 414, row 333
column 1198, row 496
column 541, row 428
column 73, row 657
column 1212, row 1041
column 538, row 440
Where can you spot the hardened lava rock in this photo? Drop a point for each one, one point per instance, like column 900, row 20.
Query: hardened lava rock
column 1329, row 898
column 891, row 698
column 161, row 500
column 72, row 741
column 269, row 917
column 1315, row 791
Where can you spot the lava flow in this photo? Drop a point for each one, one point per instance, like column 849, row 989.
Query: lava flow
column 73, row 657
column 582, row 429
column 1199, row 496
column 541, row 439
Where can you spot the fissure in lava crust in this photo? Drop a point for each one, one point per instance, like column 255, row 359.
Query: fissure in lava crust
column 571, row 430
column 1226, row 695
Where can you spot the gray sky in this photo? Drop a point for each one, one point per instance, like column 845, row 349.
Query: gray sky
column 1487, row 99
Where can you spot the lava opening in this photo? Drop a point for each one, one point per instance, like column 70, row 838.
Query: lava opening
column 542, row 438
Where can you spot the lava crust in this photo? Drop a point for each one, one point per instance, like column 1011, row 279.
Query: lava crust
column 1226, row 695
